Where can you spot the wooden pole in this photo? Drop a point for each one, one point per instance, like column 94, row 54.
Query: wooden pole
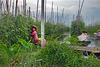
column 62, row 16
column 16, row 8
column 25, row 9
column 52, row 13
column 1, row 8
column 7, row 6
column 45, row 9
column 57, row 15
column 33, row 14
column 81, row 6
column 37, row 10
column 73, row 17
column 42, row 23
column 10, row 5
column 21, row 10
column 29, row 11
column 13, row 8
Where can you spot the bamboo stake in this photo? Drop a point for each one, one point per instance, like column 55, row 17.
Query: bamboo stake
column 0, row 4
column 1, row 8
column 16, row 8
column 37, row 10
column 30, row 14
column 24, row 8
column 81, row 6
column 21, row 10
column 10, row 5
column 33, row 14
column 7, row 6
column 13, row 8
column 42, row 23
column 45, row 9
column 73, row 17
column 52, row 13
column 62, row 16
column 57, row 14
column 29, row 11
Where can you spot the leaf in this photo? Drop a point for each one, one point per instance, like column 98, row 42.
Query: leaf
column 24, row 43
column 9, row 53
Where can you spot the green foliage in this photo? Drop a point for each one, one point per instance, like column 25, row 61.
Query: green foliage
column 16, row 51
column 17, row 54
column 24, row 43
column 18, row 27
column 54, row 54
column 14, row 28
column 53, row 31
column 77, row 27
column 60, row 55
column 92, row 29
column 73, row 40
column 9, row 53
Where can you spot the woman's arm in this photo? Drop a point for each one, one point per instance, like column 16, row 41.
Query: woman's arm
column 32, row 34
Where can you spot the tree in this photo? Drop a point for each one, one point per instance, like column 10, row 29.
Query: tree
column 77, row 27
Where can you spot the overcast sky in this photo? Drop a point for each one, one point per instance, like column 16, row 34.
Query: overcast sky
column 90, row 10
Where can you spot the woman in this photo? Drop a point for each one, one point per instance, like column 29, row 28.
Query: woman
column 84, row 39
column 83, row 36
column 34, row 34
column 35, row 39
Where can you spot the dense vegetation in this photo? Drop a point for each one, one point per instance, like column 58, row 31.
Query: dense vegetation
column 17, row 51
column 55, row 54
column 93, row 29
column 77, row 27
column 14, row 28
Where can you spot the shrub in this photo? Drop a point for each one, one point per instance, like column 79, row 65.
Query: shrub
column 77, row 27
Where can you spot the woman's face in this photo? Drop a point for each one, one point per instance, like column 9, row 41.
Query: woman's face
column 33, row 29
